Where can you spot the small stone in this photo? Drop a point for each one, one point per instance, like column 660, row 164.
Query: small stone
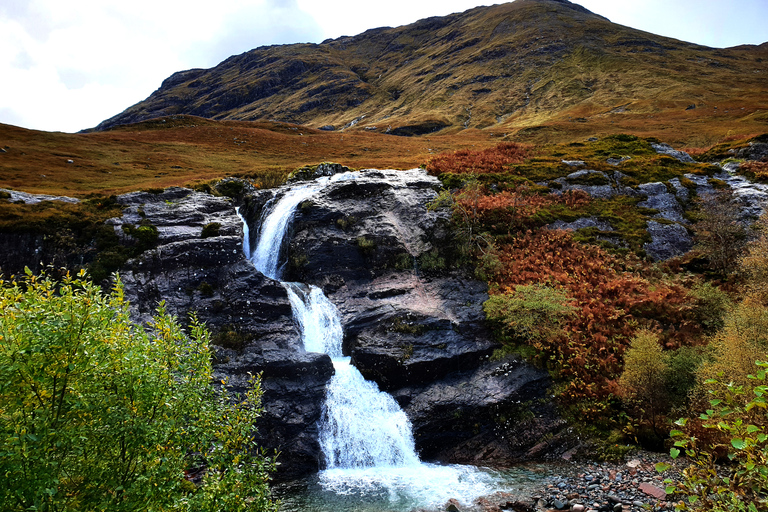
column 70, row 161
column 638, row 503
column 652, row 490
column 593, row 487
column 618, row 507
column 633, row 463
column 559, row 505
column 452, row 506
column 578, row 508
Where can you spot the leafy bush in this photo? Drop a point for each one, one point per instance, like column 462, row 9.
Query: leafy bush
column 530, row 313
column 720, row 235
column 741, row 421
column 642, row 385
column 99, row 414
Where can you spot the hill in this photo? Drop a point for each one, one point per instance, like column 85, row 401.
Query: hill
column 536, row 69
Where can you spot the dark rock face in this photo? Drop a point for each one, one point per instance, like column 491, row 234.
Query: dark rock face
column 412, row 324
column 249, row 315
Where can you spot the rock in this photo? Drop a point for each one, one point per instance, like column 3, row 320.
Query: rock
column 659, row 198
column 70, row 161
column 754, row 151
column 652, row 490
column 617, row 161
column 15, row 196
column 249, row 315
column 667, row 240
column 453, row 506
column 595, row 183
column 581, row 223
column 574, row 163
column 558, row 504
column 412, row 324
column 666, row 149
column 578, row 508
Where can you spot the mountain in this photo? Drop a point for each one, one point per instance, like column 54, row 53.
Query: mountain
column 515, row 66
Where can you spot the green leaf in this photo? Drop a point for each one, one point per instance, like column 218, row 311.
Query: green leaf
column 715, row 402
column 662, row 467
column 738, row 443
column 674, row 453
column 670, row 489
column 751, row 429
column 675, row 433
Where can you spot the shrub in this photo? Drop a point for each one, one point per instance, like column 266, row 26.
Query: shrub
column 720, row 236
column 642, row 385
column 210, row 230
column 741, row 421
column 530, row 313
column 491, row 160
column 99, row 414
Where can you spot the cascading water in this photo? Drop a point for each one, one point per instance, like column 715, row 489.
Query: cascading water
column 365, row 436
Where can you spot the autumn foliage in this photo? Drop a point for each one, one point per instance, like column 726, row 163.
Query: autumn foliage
column 612, row 300
column 491, row 160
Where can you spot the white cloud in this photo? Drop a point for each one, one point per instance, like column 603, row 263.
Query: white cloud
column 70, row 65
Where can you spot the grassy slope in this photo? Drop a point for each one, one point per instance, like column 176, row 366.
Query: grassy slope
column 538, row 69
column 184, row 150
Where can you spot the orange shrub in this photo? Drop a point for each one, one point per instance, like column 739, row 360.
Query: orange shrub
column 491, row 160
column 612, row 303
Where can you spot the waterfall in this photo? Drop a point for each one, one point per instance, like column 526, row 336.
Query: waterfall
column 365, row 436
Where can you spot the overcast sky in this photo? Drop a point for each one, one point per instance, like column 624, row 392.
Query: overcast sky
column 66, row 65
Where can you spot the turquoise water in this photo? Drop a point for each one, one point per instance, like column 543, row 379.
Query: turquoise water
column 426, row 487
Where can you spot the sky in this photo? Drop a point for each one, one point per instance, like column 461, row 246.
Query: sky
column 66, row 65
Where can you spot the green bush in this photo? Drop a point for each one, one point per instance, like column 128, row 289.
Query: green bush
column 741, row 421
column 99, row 414
column 531, row 313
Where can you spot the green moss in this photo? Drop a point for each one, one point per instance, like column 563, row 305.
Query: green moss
column 210, row 230
column 431, row 260
column 404, row 325
column 230, row 337
column 366, row 245
column 346, row 222
column 205, row 289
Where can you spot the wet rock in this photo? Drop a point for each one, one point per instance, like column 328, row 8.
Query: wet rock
column 249, row 315
column 412, row 324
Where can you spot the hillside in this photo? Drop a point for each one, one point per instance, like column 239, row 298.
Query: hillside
column 538, row 69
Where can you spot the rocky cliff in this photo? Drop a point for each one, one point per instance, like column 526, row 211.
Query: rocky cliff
column 413, row 324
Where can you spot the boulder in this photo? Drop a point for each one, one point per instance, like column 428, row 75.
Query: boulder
column 667, row 240
column 666, row 149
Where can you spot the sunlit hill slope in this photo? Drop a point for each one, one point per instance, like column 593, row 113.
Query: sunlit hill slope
column 515, row 67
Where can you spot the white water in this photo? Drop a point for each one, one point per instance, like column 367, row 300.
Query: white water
column 366, row 438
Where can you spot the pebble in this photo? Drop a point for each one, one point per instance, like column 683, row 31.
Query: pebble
column 632, row 486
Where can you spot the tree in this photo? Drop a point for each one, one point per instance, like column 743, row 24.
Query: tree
column 97, row 413
column 643, row 384
column 720, row 234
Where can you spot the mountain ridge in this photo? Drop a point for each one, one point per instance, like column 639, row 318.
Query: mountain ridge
column 510, row 66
